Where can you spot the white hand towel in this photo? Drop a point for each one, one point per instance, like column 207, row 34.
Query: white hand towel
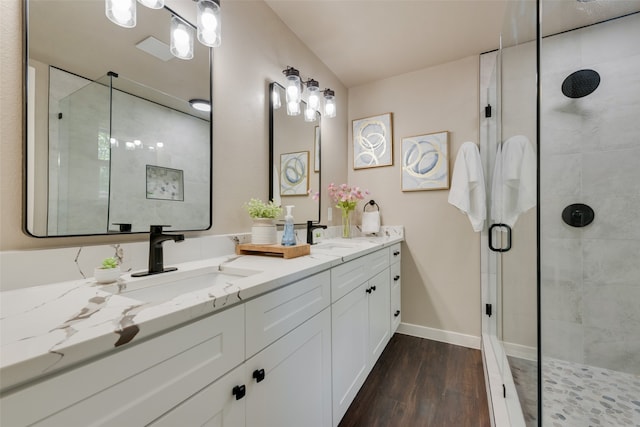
column 371, row 222
column 514, row 180
column 467, row 191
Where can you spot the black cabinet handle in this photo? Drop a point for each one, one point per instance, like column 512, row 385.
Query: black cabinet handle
column 373, row 288
column 396, row 278
column 258, row 374
column 397, row 313
column 396, row 253
column 368, row 290
column 239, row 391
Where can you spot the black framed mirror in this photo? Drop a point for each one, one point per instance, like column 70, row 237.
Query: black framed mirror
column 112, row 142
column 294, row 158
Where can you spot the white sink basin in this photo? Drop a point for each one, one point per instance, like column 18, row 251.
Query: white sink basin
column 166, row 286
column 331, row 246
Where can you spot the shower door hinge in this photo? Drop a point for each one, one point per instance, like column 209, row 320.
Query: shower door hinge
column 488, row 310
column 487, row 111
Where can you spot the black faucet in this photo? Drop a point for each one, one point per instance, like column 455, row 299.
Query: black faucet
column 310, row 228
column 156, row 263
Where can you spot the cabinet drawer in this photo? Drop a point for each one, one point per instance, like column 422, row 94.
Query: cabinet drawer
column 348, row 276
column 395, row 253
column 136, row 385
column 270, row 316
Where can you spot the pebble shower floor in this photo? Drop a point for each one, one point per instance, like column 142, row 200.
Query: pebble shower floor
column 576, row 395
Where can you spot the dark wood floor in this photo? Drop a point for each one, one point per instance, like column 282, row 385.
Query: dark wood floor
column 418, row 382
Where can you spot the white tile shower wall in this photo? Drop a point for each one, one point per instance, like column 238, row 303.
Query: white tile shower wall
column 590, row 153
column 184, row 146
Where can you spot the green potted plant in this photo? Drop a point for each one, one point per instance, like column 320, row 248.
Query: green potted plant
column 263, row 231
column 108, row 272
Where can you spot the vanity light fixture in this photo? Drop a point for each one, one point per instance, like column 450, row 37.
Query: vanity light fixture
column 293, row 90
column 329, row 103
column 181, row 45
column 121, row 12
column 209, row 22
column 200, row 104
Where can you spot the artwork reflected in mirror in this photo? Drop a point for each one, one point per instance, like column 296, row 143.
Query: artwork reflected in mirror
column 294, row 169
column 102, row 106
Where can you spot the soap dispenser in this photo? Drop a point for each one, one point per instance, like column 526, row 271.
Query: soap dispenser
column 288, row 236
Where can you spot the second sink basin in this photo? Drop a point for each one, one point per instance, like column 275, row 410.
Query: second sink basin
column 166, row 286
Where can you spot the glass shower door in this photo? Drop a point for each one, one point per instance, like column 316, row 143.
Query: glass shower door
column 508, row 145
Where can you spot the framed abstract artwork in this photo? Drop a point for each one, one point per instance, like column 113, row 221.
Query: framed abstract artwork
column 425, row 162
column 373, row 141
column 294, row 174
column 165, row 183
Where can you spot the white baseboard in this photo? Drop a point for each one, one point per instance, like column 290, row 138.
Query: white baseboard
column 520, row 351
column 441, row 335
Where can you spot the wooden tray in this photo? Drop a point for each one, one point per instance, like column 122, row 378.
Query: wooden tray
column 276, row 250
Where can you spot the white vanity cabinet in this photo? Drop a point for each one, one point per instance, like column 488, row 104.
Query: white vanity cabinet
column 286, row 380
column 360, row 326
column 395, row 255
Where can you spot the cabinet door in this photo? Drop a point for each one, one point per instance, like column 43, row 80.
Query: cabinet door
column 214, row 406
column 395, row 296
column 289, row 382
column 350, row 348
column 379, row 324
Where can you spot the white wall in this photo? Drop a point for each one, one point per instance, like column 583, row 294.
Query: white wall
column 441, row 263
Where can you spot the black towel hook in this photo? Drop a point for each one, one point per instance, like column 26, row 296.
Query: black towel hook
column 372, row 203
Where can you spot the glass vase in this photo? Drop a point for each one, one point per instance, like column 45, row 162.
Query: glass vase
column 346, row 223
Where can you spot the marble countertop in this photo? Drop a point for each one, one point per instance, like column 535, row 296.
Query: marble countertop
column 50, row 327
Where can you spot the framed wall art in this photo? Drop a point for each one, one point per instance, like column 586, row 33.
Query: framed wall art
column 165, row 183
column 373, row 141
column 425, row 162
column 294, row 174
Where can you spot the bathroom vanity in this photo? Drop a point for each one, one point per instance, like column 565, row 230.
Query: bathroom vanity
column 274, row 342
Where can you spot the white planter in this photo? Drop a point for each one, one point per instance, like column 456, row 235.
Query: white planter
column 264, row 231
column 106, row 275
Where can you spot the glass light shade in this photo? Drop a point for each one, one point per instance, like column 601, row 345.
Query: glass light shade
column 121, row 12
column 209, row 23
column 309, row 114
column 182, row 35
column 275, row 98
column 329, row 103
column 313, row 94
column 152, row 4
column 293, row 91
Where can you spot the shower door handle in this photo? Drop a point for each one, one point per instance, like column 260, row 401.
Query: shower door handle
column 506, row 249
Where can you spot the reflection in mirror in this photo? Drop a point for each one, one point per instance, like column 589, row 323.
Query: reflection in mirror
column 294, row 154
column 112, row 142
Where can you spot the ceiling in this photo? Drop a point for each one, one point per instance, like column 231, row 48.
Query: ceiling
column 367, row 40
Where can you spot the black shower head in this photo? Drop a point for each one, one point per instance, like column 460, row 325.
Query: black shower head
column 580, row 83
